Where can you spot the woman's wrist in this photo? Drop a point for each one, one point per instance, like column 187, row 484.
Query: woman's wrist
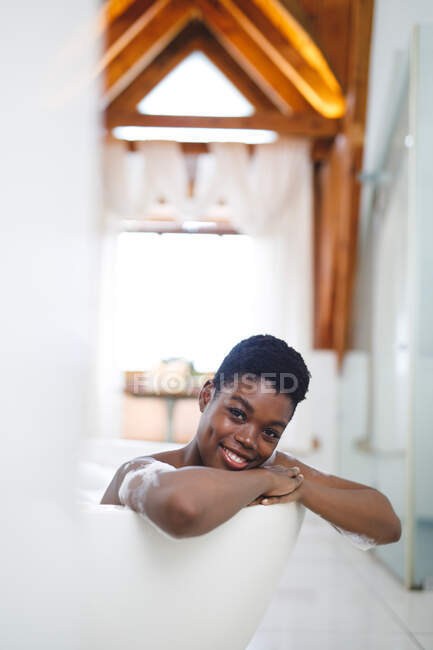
column 267, row 479
column 303, row 492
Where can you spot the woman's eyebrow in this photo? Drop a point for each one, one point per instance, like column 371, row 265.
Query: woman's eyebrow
column 250, row 409
column 243, row 401
column 277, row 423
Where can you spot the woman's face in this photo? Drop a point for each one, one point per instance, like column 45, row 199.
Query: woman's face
column 240, row 426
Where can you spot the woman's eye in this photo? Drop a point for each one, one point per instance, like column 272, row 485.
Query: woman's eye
column 272, row 434
column 237, row 414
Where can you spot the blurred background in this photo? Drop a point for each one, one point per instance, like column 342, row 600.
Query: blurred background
column 178, row 176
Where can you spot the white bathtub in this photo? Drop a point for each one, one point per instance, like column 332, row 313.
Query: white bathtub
column 153, row 592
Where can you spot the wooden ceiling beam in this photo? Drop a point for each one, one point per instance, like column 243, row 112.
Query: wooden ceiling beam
column 330, row 24
column 358, row 63
column 129, row 11
column 124, row 30
column 155, row 30
column 249, row 56
column 292, row 50
column 181, row 46
column 299, row 13
column 256, row 33
column 353, row 127
column 305, row 124
column 194, row 37
column 337, row 206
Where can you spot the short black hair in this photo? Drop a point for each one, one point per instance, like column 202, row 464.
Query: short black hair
column 264, row 355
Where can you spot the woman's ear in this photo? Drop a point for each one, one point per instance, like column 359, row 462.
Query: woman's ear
column 206, row 394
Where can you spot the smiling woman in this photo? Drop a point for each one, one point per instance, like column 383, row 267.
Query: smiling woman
column 233, row 462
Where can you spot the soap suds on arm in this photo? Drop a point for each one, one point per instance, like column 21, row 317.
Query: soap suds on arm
column 135, row 485
column 362, row 542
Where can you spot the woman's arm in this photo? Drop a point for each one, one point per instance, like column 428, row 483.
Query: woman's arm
column 194, row 500
column 348, row 505
column 363, row 511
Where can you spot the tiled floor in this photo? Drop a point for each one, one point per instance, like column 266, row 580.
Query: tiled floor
column 333, row 596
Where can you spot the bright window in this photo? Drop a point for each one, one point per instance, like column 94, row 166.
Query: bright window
column 196, row 87
column 182, row 295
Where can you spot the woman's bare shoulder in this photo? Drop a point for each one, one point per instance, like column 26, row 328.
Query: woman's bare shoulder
column 171, row 457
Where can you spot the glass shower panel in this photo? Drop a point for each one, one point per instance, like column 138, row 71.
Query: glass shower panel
column 420, row 569
column 374, row 399
column 386, row 417
column 389, row 379
column 402, row 326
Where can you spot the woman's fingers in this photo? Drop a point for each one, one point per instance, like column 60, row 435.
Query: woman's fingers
column 297, row 480
column 284, row 498
column 255, row 502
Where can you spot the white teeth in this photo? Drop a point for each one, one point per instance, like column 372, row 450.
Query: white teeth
column 234, row 457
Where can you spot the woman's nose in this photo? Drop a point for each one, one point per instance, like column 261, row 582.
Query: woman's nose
column 247, row 437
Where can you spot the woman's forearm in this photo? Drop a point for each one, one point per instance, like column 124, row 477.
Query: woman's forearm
column 365, row 511
column 194, row 500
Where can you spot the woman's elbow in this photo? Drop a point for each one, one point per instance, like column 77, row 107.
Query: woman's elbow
column 390, row 523
column 396, row 531
column 182, row 517
column 392, row 533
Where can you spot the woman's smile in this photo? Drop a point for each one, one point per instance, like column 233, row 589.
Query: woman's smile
column 232, row 459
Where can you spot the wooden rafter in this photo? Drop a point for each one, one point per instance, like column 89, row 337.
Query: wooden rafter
column 154, row 33
column 112, row 9
column 329, row 23
column 301, row 124
column 265, row 40
column 127, row 27
column 183, row 44
column 249, row 55
column 292, row 50
column 121, row 24
column 194, row 37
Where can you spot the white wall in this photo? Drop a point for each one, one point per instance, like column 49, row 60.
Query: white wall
column 324, row 403
column 319, row 413
column 48, row 258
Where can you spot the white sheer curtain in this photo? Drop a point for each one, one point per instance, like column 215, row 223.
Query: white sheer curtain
column 270, row 196
column 164, row 178
column 134, row 182
column 117, row 194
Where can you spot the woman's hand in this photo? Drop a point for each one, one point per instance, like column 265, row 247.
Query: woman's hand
column 285, row 486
